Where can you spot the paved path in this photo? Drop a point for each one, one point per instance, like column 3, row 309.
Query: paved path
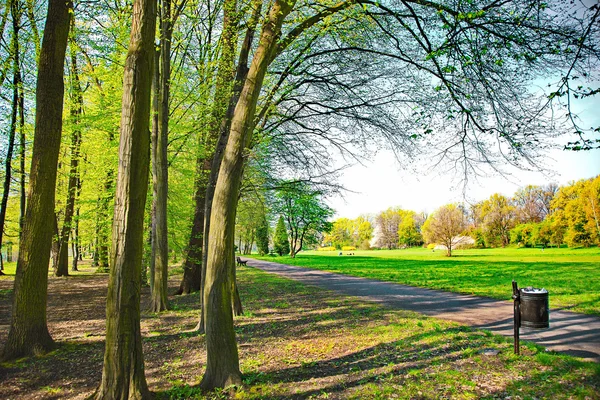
column 571, row 333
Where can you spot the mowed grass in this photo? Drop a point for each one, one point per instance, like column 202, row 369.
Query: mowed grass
column 572, row 276
column 299, row 341
column 84, row 268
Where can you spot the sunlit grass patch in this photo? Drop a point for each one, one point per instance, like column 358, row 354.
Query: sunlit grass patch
column 298, row 341
column 370, row 351
column 571, row 276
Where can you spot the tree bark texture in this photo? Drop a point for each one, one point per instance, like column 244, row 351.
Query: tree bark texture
column 123, row 371
column 222, row 366
column 160, row 168
column 28, row 332
column 76, row 110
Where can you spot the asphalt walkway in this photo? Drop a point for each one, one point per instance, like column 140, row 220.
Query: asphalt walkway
column 571, row 333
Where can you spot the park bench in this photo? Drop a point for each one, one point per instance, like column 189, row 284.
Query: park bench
column 240, row 262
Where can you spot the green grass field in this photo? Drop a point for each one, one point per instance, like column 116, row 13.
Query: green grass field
column 85, row 268
column 295, row 342
column 572, row 276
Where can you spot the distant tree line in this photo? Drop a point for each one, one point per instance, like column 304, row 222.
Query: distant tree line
column 546, row 215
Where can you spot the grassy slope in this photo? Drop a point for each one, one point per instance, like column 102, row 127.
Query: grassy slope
column 572, row 276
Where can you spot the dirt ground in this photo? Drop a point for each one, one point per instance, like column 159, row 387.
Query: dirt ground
column 76, row 320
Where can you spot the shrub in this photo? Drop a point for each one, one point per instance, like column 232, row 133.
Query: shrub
column 328, row 248
column 365, row 245
column 348, row 248
column 431, row 246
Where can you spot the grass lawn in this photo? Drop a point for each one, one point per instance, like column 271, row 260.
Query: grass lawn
column 294, row 341
column 9, row 269
column 84, row 268
column 572, row 276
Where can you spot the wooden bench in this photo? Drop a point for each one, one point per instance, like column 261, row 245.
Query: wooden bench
column 240, row 262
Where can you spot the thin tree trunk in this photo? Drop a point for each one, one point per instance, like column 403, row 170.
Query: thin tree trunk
column 147, row 254
column 160, row 175
column 222, row 365
column 236, row 301
column 123, row 370
column 103, row 221
column 193, row 260
column 77, row 253
column 75, row 244
column 152, row 247
column 23, row 194
column 28, row 332
column 55, row 249
column 154, row 149
column 76, row 110
column 16, row 22
column 31, row 4
column 96, row 256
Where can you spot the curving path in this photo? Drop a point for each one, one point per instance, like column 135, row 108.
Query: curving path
column 570, row 333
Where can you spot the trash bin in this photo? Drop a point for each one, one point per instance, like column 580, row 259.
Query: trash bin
column 534, row 308
column 530, row 310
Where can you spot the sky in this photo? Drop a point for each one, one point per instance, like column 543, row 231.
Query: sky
column 383, row 183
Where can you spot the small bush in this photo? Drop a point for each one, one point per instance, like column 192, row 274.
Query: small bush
column 328, row 248
column 365, row 245
column 348, row 248
column 431, row 246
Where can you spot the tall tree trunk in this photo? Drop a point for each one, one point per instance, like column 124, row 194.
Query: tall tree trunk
column 152, row 247
column 76, row 110
column 22, row 175
column 96, row 250
column 236, row 301
column 16, row 23
column 154, row 149
column 222, row 365
column 217, row 138
column 103, row 221
column 75, row 243
column 224, row 128
column 193, row 260
column 160, row 175
column 28, row 332
column 55, row 249
column 77, row 253
column 123, row 371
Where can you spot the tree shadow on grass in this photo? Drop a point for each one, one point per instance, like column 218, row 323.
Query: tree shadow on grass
column 71, row 365
column 294, row 324
column 340, row 374
column 555, row 380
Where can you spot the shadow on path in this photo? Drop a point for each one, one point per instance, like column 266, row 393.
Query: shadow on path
column 570, row 333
